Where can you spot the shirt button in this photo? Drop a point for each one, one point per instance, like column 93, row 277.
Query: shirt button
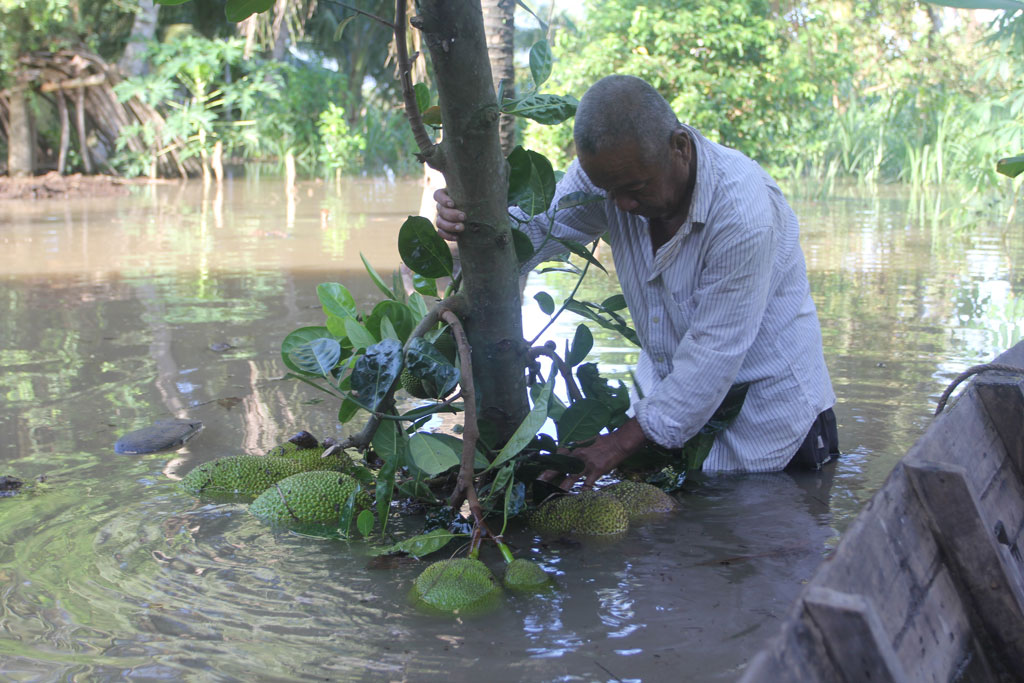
column 655, row 320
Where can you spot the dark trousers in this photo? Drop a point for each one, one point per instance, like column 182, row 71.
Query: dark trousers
column 821, row 445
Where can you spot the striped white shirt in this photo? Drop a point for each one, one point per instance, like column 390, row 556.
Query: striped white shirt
column 725, row 300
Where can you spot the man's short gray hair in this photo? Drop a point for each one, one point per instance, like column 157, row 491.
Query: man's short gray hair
column 623, row 109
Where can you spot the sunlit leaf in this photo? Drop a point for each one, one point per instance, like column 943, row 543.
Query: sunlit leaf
column 364, row 522
column 540, row 62
column 375, row 372
column 545, row 109
column 422, row 96
column 376, row 278
column 358, row 335
column 317, row 357
column 424, row 544
column 582, row 343
column 432, row 455
column 1011, row 166
column 401, row 317
column 297, row 338
column 336, row 300
column 422, row 249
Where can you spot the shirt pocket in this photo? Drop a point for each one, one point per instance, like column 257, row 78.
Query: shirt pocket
column 681, row 311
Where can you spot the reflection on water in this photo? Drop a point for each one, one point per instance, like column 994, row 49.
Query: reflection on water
column 113, row 310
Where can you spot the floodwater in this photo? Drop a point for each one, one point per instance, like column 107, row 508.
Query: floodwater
column 109, row 572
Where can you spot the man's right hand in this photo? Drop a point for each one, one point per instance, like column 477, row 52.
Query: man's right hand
column 450, row 221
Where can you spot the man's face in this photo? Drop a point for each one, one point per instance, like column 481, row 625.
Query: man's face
column 652, row 187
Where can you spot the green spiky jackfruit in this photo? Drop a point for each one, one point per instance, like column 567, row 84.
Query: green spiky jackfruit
column 589, row 513
column 310, row 498
column 311, row 459
column 461, row 586
column 247, row 475
column 525, row 576
column 413, row 384
column 641, row 500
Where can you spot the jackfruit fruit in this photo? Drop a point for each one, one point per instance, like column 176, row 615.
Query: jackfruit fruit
column 312, row 459
column 413, row 384
column 640, row 499
column 589, row 513
column 461, row 586
column 525, row 576
column 247, row 475
column 310, row 498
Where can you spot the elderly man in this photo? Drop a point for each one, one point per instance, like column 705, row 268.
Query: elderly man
column 707, row 253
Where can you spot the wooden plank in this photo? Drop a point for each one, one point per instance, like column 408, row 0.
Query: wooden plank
column 857, row 643
column 977, row 562
column 1002, row 394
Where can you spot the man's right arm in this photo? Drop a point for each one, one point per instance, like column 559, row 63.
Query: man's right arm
column 583, row 222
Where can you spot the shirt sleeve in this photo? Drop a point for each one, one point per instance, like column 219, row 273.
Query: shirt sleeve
column 583, row 222
column 725, row 314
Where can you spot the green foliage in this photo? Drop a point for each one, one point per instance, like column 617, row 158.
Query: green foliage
column 339, row 146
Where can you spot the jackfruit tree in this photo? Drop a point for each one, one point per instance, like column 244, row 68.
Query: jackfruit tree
column 463, row 350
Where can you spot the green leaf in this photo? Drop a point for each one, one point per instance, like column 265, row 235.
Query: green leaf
column 425, row 362
column 347, row 411
column 544, row 109
column 615, row 399
column 616, row 302
column 317, row 357
column 390, row 442
column 582, row 420
column 501, row 480
column 531, row 181
column 387, row 329
column 336, row 300
column 582, row 343
column 422, row 545
column 422, row 249
column 376, row 278
column 298, row 338
column 171, row 2
column 574, row 199
column 523, row 246
column 360, row 337
column 341, row 26
column 424, row 285
column 546, row 303
column 529, row 427
column 581, row 251
column 540, row 62
column 364, row 522
column 422, row 96
column 432, row 116
column 375, row 372
column 347, row 511
column 588, row 311
column 1011, row 166
column 240, row 10
column 401, row 316
column 432, row 455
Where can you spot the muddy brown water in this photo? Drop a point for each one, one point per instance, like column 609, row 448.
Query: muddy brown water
column 109, row 572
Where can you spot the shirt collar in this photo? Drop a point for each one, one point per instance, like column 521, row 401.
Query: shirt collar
column 700, row 204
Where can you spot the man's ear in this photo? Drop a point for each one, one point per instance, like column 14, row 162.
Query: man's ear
column 681, row 141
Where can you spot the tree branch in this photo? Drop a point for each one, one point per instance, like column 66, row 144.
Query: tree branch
column 563, row 369
column 470, row 429
column 412, row 110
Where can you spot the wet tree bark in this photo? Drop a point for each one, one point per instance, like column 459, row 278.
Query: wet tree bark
column 476, row 175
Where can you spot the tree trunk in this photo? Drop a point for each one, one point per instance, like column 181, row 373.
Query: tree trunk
column 65, row 131
column 21, row 139
column 499, row 27
column 477, row 179
column 132, row 62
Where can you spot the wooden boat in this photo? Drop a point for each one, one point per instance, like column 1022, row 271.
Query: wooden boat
column 927, row 584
